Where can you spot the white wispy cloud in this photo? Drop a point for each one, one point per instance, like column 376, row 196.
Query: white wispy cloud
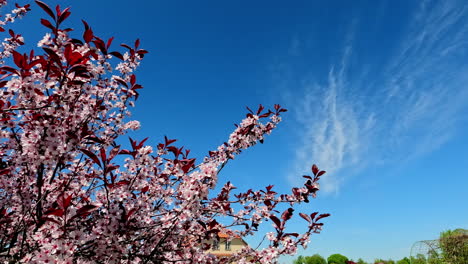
column 333, row 131
column 412, row 107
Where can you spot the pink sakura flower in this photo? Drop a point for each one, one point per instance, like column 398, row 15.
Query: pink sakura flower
column 132, row 125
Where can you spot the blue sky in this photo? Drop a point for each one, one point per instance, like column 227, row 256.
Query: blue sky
column 377, row 93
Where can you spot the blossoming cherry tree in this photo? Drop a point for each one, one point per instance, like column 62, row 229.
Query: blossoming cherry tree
column 66, row 197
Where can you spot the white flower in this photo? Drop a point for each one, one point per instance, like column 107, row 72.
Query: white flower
column 44, row 41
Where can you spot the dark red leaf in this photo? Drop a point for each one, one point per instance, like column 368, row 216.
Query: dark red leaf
column 57, row 9
column 77, row 42
column 287, row 214
column 291, row 234
column 136, row 87
column 10, row 69
column 103, row 155
column 67, row 52
column 75, row 57
column 306, row 217
column 113, row 153
column 142, row 52
column 78, row 68
column 212, row 224
column 322, row 216
column 86, row 210
column 110, row 168
column 47, row 23
column 64, row 201
column 95, row 139
column 260, row 109
column 124, row 151
column 53, row 56
column 130, row 213
column 312, row 215
column 53, row 211
column 39, row 92
column 132, row 142
column 46, row 8
column 88, row 35
column 321, row 173
column 86, row 26
column 100, row 44
column 126, row 46
column 315, row 169
column 275, row 220
column 145, row 189
column 175, row 151
column 117, row 54
column 67, row 201
column 65, row 14
column 189, row 164
column 167, row 141
column 267, row 114
column 5, row 171
column 123, row 182
column 92, row 156
column 109, row 42
column 119, row 80
column 140, row 145
column 18, row 58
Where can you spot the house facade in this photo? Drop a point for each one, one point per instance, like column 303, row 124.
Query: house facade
column 225, row 247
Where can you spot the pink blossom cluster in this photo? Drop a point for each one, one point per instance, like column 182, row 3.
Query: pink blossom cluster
column 15, row 40
column 65, row 199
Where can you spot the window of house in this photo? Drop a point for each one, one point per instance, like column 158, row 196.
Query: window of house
column 215, row 245
column 227, row 245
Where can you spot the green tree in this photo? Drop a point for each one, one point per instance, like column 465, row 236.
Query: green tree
column 361, row 261
column 315, row 259
column 404, row 260
column 454, row 246
column 299, row 260
column 419, row 259
column 337, row 259
column 434, row 257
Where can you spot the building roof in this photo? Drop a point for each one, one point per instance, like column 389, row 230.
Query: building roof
column 224, row 235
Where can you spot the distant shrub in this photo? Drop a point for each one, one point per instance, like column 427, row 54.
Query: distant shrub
column 315, row 259
column 337, row 259
column 454, row 245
